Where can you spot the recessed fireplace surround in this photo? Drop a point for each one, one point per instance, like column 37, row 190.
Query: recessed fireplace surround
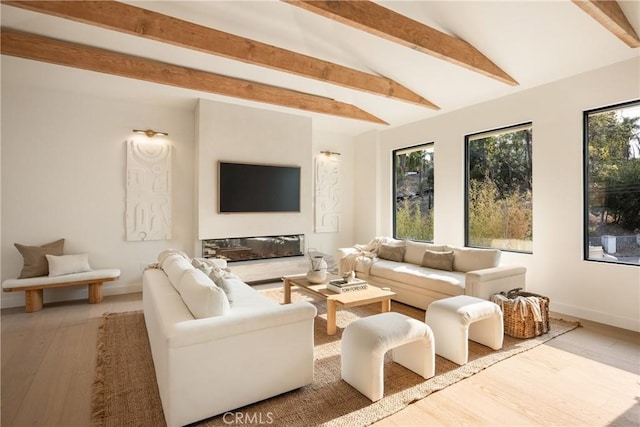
column 253, row 248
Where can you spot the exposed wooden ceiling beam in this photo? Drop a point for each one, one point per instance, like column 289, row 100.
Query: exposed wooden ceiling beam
column 375, row 19
column 155, row 26
column 610, row 15
column 31, row 46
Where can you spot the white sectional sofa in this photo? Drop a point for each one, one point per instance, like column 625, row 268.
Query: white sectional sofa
column 218, row 348
column 420, row 273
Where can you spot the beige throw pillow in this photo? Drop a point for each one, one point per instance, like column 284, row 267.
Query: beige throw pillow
column 34, row 261
column 438, row 260
column 471, row 259
column 392, row 253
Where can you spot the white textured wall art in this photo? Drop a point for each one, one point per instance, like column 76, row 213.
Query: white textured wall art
column 148, row 190
column 327, row 194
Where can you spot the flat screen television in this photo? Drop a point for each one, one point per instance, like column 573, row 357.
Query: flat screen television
column 244, row 187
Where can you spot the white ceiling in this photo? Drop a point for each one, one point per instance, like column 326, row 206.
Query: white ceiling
column 535, row 42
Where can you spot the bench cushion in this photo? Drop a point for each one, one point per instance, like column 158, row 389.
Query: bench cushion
column 44, row 281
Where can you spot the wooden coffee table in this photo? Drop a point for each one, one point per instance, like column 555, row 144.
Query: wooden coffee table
column 335, row 300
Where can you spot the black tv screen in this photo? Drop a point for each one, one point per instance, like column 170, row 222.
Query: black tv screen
column 246, row 187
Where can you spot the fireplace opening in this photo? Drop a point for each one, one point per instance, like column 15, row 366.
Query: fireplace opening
column 253, row 248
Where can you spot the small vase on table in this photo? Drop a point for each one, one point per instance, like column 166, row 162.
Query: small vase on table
column 318, row 272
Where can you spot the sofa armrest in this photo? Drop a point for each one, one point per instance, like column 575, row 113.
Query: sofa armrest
column 214, row 328
column 343, row 252
column 486, row 282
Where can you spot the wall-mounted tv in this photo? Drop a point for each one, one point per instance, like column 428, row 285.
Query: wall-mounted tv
column 244, row 187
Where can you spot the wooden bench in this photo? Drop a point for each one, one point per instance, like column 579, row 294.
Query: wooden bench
column 34, row 286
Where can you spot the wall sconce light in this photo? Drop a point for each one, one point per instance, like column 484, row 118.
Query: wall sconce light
column 150, row 132
column 330, row 153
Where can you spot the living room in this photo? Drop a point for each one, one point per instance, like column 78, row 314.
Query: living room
column 64, row 138
column 40, row 177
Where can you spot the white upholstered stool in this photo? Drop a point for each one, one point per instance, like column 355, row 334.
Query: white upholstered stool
column 365, row 342
column 456, row 320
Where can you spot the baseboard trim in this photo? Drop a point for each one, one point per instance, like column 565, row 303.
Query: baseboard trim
column 596, row 316
column 71, row 293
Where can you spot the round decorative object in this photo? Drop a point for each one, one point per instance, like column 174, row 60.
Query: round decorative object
column 317, row 276
column 349, row 276
column 318, row 271
column 318, row 263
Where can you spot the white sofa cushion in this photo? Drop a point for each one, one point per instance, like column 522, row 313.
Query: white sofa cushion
column 201, row 296
column 447, row 282
column 415, row 251
column 174, row 267
column 68, row 264
column 470, row 259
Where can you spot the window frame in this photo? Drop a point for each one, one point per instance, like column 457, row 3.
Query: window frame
column 586, row 176
column 473, row 137
column 394, row 199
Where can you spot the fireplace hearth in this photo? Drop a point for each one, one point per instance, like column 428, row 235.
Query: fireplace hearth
column 254, row 248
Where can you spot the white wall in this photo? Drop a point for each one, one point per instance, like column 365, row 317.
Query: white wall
column 326, row 141
column 596, row 291
column 63, row 176
column 63, row 164
column 367, row 197
column 243, row 134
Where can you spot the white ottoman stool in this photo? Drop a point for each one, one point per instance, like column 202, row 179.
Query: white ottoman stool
column 456, row 320
column 365, row 342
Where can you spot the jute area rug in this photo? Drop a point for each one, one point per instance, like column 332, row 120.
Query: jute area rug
column 125, row 390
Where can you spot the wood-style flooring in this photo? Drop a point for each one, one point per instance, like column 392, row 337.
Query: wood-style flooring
column 587, row 377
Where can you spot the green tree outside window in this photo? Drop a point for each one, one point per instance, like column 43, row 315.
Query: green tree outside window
column 414, row 192
column 499, row 189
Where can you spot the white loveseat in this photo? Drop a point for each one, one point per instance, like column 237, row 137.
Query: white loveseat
column 420, row 273
column 218, row 348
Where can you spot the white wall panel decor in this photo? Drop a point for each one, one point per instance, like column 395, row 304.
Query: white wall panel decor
column 148, row 190
column 327, row 194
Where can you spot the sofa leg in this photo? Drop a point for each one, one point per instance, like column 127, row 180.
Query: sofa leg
column 33, row 299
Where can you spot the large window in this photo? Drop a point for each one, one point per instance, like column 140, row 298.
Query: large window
column 612, row 184
column 413, row 193
column 498, row 186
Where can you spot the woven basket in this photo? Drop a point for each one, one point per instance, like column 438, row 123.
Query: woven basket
column 526, row 315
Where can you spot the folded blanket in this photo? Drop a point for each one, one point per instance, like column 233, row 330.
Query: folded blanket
column 364, row 252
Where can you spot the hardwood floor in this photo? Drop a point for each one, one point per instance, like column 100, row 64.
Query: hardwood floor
column 587, row 377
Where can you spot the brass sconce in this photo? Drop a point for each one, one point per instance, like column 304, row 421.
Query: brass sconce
column 330, row 153
column 150, row 132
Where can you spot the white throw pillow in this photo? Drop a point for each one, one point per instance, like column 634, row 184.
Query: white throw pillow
column 174, row 267
column 202, row 266
column 415, row 251
column 215, row 268
column 201, row 296
column 164, row 255
column 227, row 284
column 68, row 264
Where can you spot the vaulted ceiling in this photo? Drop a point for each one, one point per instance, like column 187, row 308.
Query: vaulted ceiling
column 352, row 66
